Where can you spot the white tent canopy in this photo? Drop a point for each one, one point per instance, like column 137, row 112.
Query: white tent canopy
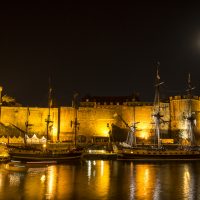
column 35, row 140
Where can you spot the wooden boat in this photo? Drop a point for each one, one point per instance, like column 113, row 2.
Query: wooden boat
column 50, row 152
column 156, row 154
column 44, row 156
column 15, row 167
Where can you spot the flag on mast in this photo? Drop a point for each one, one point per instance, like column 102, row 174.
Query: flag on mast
column 158, row 76
column 189, row 79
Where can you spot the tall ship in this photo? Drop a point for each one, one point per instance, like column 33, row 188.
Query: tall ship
column 157, row 151
column 49, row 152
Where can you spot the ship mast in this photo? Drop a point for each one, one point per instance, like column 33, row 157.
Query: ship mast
column 48, row 120
column 190, row 116
column 131, row 137
column 75, row 123
column 156, row 110
column 27, row 125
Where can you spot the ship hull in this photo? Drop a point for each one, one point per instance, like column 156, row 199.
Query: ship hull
column 4, row 159
column 45, row 157
column 155, row 155
column 119, row 134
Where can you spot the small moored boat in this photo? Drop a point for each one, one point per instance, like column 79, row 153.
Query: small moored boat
column 28, row 154
column 15, row 167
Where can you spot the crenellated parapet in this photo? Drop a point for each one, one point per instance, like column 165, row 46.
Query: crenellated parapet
column 179, row 97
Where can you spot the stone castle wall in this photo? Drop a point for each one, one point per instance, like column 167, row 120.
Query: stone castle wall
column 96, row 120
column 17, row 117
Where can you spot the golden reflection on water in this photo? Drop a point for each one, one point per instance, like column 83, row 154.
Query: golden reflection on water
column 99, row 176
column 168, row 181
column 51, row 182
column 103, row 180
column 14, row 180
column 145, row 179
column 186, row 180
column 1, row 181
column 132, row 182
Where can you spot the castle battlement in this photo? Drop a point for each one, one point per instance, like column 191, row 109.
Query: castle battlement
column 183, row 97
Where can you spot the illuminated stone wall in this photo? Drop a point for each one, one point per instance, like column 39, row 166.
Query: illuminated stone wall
column 17, row 116
column 96, row 119
column 141, row 114
column 67, row 115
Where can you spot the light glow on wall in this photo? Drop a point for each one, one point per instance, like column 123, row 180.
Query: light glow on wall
column 103, row 130
column 54, row 131
column 143, row 131
column 143, row 134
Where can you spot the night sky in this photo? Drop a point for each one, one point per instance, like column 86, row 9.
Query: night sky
column 100, row 50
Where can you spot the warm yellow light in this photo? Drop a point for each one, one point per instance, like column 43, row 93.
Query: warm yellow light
column 43, row 177
column 51, row 181
column 143, row 134
column 102, row 178
column 54, row 131
column 103, row 130
column 44, row 145
column 186, row 180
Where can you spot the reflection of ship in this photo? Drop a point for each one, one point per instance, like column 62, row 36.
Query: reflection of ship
column 48, row 152
column 156, row 151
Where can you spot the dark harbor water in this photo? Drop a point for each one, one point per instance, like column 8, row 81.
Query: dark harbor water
column 103, row 180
